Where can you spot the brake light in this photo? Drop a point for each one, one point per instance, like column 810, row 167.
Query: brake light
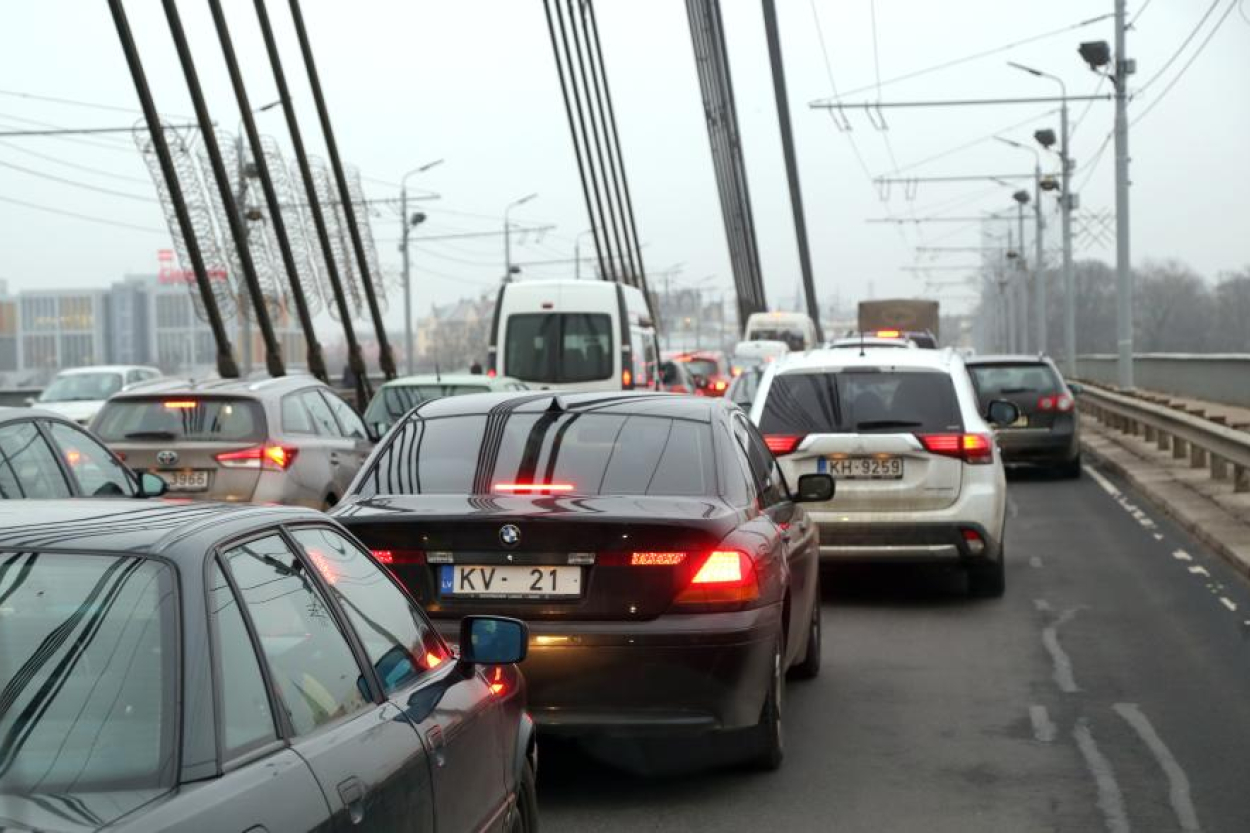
column 497, row 686
column 393, row 557
column 656, row 559
column 976, row 449
column 432, row 660
column 726, row 576
column 1057, row 402
column 976, row 544
column 889, row 334
column 273, row 457
column 519, row 488
column 719, row 384
column 182, row 404
column 783, row 443
column 627, row 379
column 490, row 374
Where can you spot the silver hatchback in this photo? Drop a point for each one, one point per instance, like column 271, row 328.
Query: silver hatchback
column 290, row 440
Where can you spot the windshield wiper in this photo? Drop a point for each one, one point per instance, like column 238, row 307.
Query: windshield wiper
column 151, row 435
column 886, row 423
column 1017, row 390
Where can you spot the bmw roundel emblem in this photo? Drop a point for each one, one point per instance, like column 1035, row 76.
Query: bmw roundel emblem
column 168, row 457
column 509, row 535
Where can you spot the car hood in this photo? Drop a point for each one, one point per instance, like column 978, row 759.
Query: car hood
column 70, row 812
column 606, row 507
column 79, row 411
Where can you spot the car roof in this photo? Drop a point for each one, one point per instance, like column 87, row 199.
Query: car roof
column 105, row 368
column 449, row 379
column 643, row 403
column 112, row 525
column 228, row 387
column 870, row 356
column 8, row 414
column 1008, row 358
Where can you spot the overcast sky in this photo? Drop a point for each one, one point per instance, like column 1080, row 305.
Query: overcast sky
column 473, row 81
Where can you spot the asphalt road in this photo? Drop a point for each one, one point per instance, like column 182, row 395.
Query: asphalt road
column 1108, row 690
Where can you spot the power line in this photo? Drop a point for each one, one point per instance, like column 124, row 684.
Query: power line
column 127, row 148
column 833, row 85
column 47, row 157
column 1089, row 105
column 1154, row 103
column 1140, row 12
column 86, row 217
column 74, row 102
column 988, row 136
column 75, row 183
column 1198, row 26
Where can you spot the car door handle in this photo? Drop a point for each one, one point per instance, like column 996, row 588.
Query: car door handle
column 334, row 458
column 438, row 745
column 352, row 791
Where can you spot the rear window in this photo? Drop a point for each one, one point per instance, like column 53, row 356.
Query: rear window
column 861, row 402
column 594, row 454
column 702, row 367
column 391, row 403
column 182, row 418
column 558, row 347
column 994, row 381
column 88, row 667
column 792, row 337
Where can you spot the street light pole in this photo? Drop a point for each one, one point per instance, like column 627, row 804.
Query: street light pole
column 407, row 223
column 1123, row 268
column 1039, row 281
column 507, row 236
column 1021, row 198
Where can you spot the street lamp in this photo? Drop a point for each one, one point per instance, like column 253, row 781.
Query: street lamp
column 507, row 236
column 407, row 224
column 1039, row 280
column 1098, row 54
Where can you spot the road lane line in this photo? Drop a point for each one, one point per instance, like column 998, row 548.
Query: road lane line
column 1178, row 782
column 1042, row 605
column 1228, row 603
column 1110, row 799
column 1158, row 537
column 1199, row 571
column 1059, row 657
column 1043, row 729
column 1101, row 480
column 1181, row 555
column 1035, row 561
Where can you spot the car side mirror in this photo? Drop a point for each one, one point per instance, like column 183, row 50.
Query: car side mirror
column 1001, row 412
column 815, row 488
column 493, row 640
column 1076, row 387
column 152, row 485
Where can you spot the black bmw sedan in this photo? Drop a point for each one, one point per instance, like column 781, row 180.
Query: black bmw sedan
column 203, row 667
column 668, row 576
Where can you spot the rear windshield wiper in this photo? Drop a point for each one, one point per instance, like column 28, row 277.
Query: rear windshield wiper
column 151, row 435
column 1017, row 390
column 886, row 423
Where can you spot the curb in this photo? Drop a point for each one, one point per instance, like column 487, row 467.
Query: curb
column 1150, row 492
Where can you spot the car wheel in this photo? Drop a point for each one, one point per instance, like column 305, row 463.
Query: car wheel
column 770, row 734
column 987, row 580
column 809, row 668
column 1072, row 469
column 525, row 819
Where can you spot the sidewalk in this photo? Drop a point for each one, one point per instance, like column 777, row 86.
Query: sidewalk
column 1206, row 508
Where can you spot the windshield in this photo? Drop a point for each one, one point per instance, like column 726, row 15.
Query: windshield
column 88, row 671
column 874, row 401
column 994, row 381
column 792, row 337
column 82, row 387
column 182, row 418
column 702, row 367
column 558, row 347
column 394, row 401
column 594, row 454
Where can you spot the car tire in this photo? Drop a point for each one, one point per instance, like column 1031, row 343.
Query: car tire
column 769, row 733
column 809, row 668
column 525, row 819
column 988, row 580
column 1071, row 470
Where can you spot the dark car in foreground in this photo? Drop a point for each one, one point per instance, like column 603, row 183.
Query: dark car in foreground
column 668, row 575
column 194, row 666
column 45, row 455
column 1048, row 431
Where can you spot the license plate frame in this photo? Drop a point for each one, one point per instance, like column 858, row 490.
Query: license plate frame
column 500, row 581
column 186, row 480
column 875, row 467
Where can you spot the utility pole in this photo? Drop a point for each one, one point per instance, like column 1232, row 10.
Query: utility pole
column 407, row 224
column 507, row 236
column 1039, row 274
column 1067, row 204
column 1123, row 267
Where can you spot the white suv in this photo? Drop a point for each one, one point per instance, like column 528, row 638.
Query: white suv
column 920, row 475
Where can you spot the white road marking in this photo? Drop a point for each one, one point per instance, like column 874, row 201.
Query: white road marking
column 1041, row 604
column 1199, row 571
column 1035, row 561
column 1181, row 555
column 1059, row 657
column 1012, row 509
column 1110, row 799
column 1101, row 480
column 1158, row 537
column 1146, row 522
column 1228, row 603
column 1043, row 729
column 1178, row 782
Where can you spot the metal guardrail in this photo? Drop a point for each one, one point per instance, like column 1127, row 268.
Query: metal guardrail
column 1215, row 377
column 1224, row 451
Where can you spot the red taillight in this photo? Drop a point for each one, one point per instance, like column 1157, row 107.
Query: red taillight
column 627, row 379
column 971, row 448
column 782, row 443
column 527, row 488
column 1063, row 402
column 392, row 557
column 976, row 544
column 182, row 405
column 656, row 559
column 275, row 457
column 490, row 374
column 719, row 385
column 497, row 686
column 888, row 334
column 726, row 576
column 1055, row 402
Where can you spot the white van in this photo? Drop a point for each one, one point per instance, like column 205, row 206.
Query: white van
column 573, row 335
column 794, row 328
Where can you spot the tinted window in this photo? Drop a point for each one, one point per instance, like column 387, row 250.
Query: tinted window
column 392, row 402
column 400, row 643
column 595, row 453
column 559, row 347
column 312, row 665
column 88, row 668
column 295, row 418
column 28, row 468
column 182, row 418
column 735, row 478
column 98, row 473
column 742, row 391
column 702, row 367
column 349, row 420
column 322, row 416
column 994, row 381
column 246, row 716
column 861, row 402
column 793, row 338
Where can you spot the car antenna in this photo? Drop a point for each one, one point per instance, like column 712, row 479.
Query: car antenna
column 861, row 344
column 438, row 374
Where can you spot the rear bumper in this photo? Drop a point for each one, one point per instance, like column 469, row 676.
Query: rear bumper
column 1060, row 444
column 684, row 674
column 907, row 543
